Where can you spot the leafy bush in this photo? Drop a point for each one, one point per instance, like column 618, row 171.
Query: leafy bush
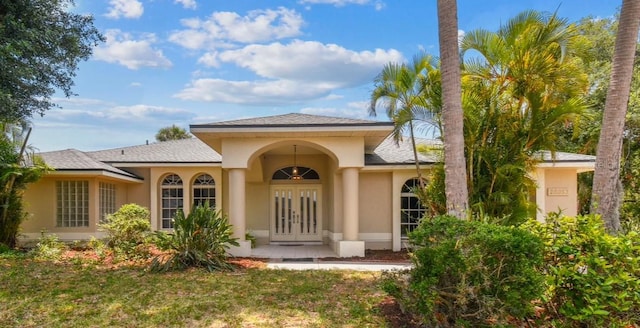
column 593, row 278
column 49, row 247
column 127, row 230
column 198, row 240
column 469, row 273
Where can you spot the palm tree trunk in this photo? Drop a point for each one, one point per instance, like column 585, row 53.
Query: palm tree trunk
column 606, row 195
column 415, row 157
column 454, row 161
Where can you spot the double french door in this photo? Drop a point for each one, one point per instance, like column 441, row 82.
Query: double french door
column 296, row 213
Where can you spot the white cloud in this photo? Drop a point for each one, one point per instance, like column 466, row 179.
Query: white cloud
column 311, row 61
column 122, row 49
column 337, row 112
column 253, row 92
column 223, row 28
column 378, row 4
column 102, row 124
column 189, row 4
column 135, row 84
column 125, row 8
column 209, row 59
column 146, row 112
column 337, row 3
column 292, row 73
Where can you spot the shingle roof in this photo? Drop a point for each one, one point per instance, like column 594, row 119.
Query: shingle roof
column 296, row 119
column 179, row 151
column 389, row 153
column 75, row 160
column 547, row 156
column 195, row 151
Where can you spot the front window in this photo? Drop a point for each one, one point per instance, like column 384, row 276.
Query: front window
column 411, row 210
column 204, row 191
column 107, row 200
column 72, row 204
column 172, row 200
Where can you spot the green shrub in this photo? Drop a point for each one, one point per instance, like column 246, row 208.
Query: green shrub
column 198, row 240
column 4, row 248
column 49, row 247
column 469, row 273
column 127, row 231
column 593, row 278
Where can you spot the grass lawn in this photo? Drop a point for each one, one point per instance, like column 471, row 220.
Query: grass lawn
column 76, row 294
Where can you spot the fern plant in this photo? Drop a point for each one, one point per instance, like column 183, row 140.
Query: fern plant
column 200, row 239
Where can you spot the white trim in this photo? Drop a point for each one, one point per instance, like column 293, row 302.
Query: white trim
column 587, row 165
column 233, row 129
column 164, row 164
column 259, row 233
column 375, row 236
column 92, row 173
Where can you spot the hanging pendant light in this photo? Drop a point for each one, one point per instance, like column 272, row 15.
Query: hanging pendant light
column 295, row 175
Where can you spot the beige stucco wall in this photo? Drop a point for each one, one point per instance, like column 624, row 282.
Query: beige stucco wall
column 561, row 191
column 376, row 209
column 139, row 193
column 40, row 200
column 375, row 202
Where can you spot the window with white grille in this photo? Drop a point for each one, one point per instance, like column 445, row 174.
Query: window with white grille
column 172, row 199
column 72, row 203
column 411, row 210
column 107, row 200
column 204, row 191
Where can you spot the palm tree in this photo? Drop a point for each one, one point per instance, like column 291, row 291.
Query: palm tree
column 18, row 167
column 523, row 84
column 456, row 191
column 172, row 132
column 410, row 94
column 606, row 181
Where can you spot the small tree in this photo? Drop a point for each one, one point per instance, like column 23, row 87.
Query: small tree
column 41, row 44
column 172, row 132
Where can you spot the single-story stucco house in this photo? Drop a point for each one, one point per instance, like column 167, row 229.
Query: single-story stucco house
column 291, row 178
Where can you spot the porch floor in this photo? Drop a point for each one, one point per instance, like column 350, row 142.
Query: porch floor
column 292, row 252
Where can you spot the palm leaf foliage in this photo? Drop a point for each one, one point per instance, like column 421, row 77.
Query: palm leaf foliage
column 200, row 239
column 521, row 86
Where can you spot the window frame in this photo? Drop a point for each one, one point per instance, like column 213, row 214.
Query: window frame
column 107, row 197
column 72, row 204
column 201, row 185
column 411, row 209
column 171, row 195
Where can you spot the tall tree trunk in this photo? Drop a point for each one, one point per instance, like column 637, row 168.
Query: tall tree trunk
column 421, row 183
column 454, row 161
column 606, row 196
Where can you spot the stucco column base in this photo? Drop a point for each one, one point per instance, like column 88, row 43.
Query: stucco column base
column 244, row 250
column 351, row 248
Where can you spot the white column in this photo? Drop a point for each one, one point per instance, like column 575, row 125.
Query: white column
column 350, row 219
column 350, row 245
column 237, row 215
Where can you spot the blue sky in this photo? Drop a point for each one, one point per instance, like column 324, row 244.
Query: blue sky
column 197, row 61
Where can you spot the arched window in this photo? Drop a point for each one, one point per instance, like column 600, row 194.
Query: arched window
column 204, row 191
column 303, row 173
column 411, row 210
column 172, row 199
